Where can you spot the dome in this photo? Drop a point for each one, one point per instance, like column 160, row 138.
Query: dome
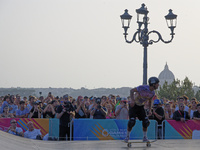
column 166, row 75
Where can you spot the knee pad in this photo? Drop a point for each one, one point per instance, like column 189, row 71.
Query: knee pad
column 131, row 123
column 145, row 122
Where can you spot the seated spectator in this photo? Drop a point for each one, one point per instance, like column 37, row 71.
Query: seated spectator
column 181, row 114
column 6, row 113
column 35, row 112
column 49, row 111
column 98, row 111
column 23, row 111
column 196, row 114
column 193, row 107
column 80, row 111
column 6, row 102
column 122, row 111
column 110, row 114
column 168, row 111
column 13, row 129
column 32, row 133
column 12, row 106
column 181, row 100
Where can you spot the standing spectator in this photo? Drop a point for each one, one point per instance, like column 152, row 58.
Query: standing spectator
column 92, row 105
column 23, row 111
column 80, row 110
column 196, row 115
column 12, row 107
column 49, row 111
column 181, row 114
column 193, row 107
column 6, row 113
column 13, row 129
column 31, row 102
column 181, row 100
column 32, row 133
column 186, row 99
column 35, row 112
column 98, row 112
column 110, row 114
column 158, row 115
column 121, row 111
column 168, row 111
column 65, row 113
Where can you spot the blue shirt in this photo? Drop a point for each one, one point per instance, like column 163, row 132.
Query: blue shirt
column 14, row 108
column 23, row 112
column 5, row 103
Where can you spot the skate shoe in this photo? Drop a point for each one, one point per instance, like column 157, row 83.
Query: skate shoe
column 145, row 139
column 126, row 139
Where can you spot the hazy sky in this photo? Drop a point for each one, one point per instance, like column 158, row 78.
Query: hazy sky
column 80, row 43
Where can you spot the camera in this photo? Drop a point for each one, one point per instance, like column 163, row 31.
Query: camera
column 68, row 106
column 98, row 101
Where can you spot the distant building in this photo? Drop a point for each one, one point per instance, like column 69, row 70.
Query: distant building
column 166, row 75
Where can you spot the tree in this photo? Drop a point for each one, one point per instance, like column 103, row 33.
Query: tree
column 176, row 88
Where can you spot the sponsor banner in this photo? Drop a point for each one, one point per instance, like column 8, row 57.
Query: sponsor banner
column 109, row 129
column 42, row 124
column 179, row 130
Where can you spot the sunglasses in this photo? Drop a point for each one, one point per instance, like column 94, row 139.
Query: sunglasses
column 13, row 122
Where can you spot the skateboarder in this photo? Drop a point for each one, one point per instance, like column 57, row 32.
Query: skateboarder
column 139, row 96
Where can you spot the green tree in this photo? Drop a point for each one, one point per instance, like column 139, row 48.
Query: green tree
column 176, row 88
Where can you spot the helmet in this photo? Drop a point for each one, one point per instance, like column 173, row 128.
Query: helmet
column 153, row 80
column 156, row 102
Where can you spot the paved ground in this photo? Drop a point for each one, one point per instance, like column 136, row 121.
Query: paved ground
column 11, row 142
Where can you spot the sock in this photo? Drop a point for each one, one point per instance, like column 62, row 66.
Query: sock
column 145, row 133
column 128, row 133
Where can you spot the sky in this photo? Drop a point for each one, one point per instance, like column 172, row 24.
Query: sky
column 80, row 43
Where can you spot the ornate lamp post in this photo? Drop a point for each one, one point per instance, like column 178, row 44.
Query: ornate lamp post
column 142, row 34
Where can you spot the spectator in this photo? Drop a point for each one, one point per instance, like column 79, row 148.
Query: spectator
column 122, row 111
column 32, row 133
column 65, row 112
column 5, row 103
column 12, row 107
column 31, row 102
column 110, row 114
column 35, row 112
column 55, row 104
column 23, row 111
column 181, row 114
column 98, row 112
column 168, row 111
column 80, row 111
column 193, row 107
column 158, row 115
column 6, row 113
column 18, row 99
column 92, row 105
column 196, row 115
column 181, row 100
column 13, row 129
column 186, row 99
column 49, row 111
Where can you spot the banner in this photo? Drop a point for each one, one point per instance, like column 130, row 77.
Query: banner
column 42, row 124
column 179, row 130
column 109, row 129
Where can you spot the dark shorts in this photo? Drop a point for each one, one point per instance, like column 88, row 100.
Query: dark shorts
column 137, row 111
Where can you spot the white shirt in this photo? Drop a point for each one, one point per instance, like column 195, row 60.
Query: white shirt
column 32, row 134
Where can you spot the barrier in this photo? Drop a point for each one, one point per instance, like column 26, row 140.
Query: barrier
column 109, row 129
column 179, row 130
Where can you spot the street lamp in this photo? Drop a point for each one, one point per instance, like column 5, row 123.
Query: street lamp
column 142, row 34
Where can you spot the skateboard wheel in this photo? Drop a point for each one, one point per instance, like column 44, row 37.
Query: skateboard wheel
column 129, row 144
column 148, row 144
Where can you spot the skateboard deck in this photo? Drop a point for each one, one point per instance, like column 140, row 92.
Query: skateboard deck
column 148, row 144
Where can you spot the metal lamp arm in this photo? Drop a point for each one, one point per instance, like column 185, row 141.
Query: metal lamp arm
column 159, row 38
column 134, row 38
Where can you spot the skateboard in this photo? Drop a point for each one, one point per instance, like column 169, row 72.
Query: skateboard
column 148, row 144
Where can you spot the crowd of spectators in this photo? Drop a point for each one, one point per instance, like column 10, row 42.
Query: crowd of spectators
column 67, row 108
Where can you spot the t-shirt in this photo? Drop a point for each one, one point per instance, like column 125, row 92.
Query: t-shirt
column 160, row 112
column 35, row 114
column 143, row 94
column 20, row 112
column 123, row 113
column 32, row 134
column 196, row 114
column 18, row 130
column 65, row 118
column 98, row 114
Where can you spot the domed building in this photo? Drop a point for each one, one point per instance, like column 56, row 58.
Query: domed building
column 166, row 75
